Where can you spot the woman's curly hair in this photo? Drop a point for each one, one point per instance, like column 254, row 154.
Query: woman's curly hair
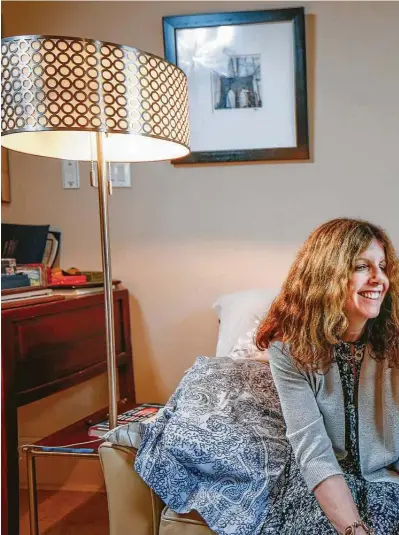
column 309, row 312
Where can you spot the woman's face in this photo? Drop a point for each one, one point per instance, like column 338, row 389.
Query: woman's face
column 368, row 285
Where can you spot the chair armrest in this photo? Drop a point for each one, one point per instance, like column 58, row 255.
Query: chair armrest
column 133, row 507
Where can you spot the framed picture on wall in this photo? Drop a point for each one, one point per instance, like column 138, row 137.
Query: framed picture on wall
column 246, row 76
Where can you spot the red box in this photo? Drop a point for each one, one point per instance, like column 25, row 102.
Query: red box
column 67, row 280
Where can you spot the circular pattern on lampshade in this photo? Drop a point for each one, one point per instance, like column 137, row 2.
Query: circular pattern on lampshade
column 55, row 84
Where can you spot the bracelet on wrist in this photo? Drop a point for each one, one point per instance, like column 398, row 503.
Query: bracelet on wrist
column 351, row 530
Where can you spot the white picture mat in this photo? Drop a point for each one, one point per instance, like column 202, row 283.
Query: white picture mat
column 203, row 50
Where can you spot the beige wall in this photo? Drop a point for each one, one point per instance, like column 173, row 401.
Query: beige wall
column 181, row 237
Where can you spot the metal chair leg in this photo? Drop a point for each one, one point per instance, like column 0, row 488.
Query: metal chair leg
column 32, row 492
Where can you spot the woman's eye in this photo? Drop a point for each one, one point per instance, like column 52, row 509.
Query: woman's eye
column 383, row 267
column 360, row 267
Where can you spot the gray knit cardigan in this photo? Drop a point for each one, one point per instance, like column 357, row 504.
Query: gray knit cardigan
column 313, row 408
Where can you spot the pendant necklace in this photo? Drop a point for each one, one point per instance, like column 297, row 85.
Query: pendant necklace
column 357, row 356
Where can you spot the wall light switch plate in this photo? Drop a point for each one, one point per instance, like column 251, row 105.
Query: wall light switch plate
column 121, row 175
column 70, row 174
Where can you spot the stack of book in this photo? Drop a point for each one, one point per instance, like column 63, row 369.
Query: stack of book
column 135, row 421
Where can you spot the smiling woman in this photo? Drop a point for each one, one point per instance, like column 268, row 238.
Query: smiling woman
column 368, row 286
column 333, row 339
column 318, row 305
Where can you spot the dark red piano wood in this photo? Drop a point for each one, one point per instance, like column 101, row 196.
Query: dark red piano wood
column 47, row 348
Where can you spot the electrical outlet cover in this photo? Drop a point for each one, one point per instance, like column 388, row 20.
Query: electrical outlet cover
column 121, row 175
column 70, row 174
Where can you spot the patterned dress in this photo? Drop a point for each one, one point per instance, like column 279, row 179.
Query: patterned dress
column 378, row 503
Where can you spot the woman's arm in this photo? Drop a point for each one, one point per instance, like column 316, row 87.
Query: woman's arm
column 309, row 440
column 336, row 500
column 305, row 424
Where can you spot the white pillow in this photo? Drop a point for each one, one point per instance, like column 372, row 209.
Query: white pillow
column 245, row 347
column 238, row 313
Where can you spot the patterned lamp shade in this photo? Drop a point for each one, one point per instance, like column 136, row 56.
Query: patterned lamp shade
column 58, row 91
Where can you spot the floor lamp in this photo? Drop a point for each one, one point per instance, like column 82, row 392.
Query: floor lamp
column 83, row 99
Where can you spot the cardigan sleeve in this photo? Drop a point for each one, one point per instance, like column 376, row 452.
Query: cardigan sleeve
column 305, row 425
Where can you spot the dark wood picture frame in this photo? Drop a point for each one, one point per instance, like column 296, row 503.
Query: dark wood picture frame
column 296, row 151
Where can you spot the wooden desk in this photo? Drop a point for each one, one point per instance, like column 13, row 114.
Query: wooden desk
column 47, row 348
